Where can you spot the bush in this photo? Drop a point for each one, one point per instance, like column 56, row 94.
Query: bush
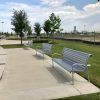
column 40, row 41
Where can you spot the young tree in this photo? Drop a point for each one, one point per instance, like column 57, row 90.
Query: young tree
column 29, row 30
column 20, row 22
column 37, row 29
column 55, row 22
column 47, row 27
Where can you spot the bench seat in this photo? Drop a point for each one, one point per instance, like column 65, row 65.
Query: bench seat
column 67, row 65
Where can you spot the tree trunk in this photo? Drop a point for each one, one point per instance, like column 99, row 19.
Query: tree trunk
column 48, row 36
column 52, row 37
column 38, row 38
column 21, row 40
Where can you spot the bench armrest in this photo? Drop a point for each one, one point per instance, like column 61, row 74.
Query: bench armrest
column 81, row 64
column 88, row 65
column 78, row 64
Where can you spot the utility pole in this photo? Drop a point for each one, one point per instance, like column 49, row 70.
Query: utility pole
column 2, row 26
column 84, row 28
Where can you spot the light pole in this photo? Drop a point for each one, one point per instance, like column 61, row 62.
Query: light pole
column 94, row 35
column 83, row 33
column 84, row 28
column 2, row 25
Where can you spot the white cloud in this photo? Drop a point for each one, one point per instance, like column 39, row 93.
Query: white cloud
column 69, row 15
column 92, row 7
column 53, row 3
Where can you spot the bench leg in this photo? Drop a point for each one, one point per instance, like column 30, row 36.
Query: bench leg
column 43, row 55
column 52, row 63
column 72, row 78
column 36, row 52
column 88, row 76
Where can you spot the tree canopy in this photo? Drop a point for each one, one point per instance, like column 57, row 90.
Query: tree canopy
column 29, row 30
column 20, row 22
column 37, row 28
column 55, row 22
column 47, row 27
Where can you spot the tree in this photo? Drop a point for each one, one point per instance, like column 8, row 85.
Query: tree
column 55, row 25
column 47, row 27
column 29, row 29
column 37, row 29
column 20, row 22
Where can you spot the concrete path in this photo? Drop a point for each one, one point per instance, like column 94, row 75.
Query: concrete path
column 2, row 61
column 29, row 77
column 2, row 51
column 7, row 42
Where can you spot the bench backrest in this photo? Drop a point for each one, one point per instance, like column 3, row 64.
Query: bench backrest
column 76, row 56
column 47, row 47
column 30, row 43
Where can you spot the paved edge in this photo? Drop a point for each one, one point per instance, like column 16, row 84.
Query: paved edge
column 2, row 67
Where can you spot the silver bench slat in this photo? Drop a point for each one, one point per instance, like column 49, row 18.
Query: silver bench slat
column 76, row 56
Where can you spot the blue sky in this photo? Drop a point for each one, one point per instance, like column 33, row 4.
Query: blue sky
column 81, row 3
column 34, row 2
column 71, row 12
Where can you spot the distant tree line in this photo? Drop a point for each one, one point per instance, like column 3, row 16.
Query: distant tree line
column 6, row 33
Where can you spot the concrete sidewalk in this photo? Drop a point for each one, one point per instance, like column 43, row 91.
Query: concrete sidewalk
column 8, row 42
column 2, row 61
column 29, row 77
column 2, row 51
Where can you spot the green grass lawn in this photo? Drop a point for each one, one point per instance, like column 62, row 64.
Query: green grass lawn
column 13, row 46
column 94, row 69
column 95, row 96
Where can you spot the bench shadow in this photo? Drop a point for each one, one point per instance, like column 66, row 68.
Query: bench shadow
column 57, row 75
column 39, row 57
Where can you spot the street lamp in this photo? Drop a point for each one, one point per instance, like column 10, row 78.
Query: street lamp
column 2, row 25
column 84, row 28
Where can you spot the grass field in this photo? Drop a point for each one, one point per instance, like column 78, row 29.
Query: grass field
column 95, row 96
column 13, row 46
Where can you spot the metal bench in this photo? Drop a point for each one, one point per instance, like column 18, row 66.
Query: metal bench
column 46, row 49
column 29, row 44
column 73, row 61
